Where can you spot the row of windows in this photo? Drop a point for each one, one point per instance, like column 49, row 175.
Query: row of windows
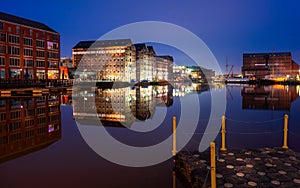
column 28, row 62
column 28, row 41
column 17, row 29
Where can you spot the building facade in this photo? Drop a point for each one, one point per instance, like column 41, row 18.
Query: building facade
column 260, row 65
column 145, row 62
column 164, row 68
column 28, row 49
column 105, row 60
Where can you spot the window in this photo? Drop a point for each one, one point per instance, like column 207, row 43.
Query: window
column 40, row 63
column 15, row 126
column 29, row 123
column 28, row 41
column 41, row 120
column 2, row 60
column 15, row 114
column 14, row 62
column 1, row 26
column 14, row 50
column 13, row 39
column 55, row 37
column 2, row 37
column 41, row 110
column 30, row 32
column 53, row 55
column 52, row 46
column 40, row 53
column 2, row 49
column 29, row 112
column 3, row 116
column 53, row 64
column 18, row 30
column 28, row 63
column 29, row 133
column 15, row 137
column 27, row 52
column 40, row 43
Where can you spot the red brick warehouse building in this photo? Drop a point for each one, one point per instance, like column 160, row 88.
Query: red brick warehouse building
column 28, row 49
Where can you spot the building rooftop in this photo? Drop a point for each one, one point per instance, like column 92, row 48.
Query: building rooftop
column 168, row 57
column 151, row 50
column 140, row 46
column 103, row 43
column 25, row 22
column 269, row 53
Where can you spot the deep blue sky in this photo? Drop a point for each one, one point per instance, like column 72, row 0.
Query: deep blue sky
column 228, row 27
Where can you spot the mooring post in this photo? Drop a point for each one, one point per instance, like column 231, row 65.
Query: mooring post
column 174, row 136
column 223, row 148
column 174, row 178
column 285, row 132
column 213, row 164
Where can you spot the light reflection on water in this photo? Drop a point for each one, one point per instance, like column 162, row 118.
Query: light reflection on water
column 254, row 119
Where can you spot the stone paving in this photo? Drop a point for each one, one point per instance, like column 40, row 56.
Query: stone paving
column 267, row 167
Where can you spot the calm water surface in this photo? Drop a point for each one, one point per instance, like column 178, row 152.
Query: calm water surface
column 42, row 147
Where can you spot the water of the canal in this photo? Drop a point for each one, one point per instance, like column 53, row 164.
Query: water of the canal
column 37, row 150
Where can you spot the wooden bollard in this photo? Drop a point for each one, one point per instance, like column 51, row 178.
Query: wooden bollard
column 223, row 148
column 213, row 165
column 285, row 132
column 174, row 136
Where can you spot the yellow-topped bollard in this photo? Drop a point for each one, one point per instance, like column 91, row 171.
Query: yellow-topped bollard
column 174, row 151
column 213, row 165
column 285, row 132
column 223, row 148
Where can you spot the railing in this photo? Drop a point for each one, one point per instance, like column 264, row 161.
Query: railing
column 223, row 144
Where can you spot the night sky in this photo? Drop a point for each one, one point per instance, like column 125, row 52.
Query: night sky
column 228, row 27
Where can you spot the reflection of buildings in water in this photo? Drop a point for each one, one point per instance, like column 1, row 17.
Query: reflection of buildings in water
column 120, row 107
column 275, row 97
column 145, row 103
column 28, row 124
column 181, row 89
column 114, row 107
column 164, row 95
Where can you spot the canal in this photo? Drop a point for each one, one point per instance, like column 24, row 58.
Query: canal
column 49, row 141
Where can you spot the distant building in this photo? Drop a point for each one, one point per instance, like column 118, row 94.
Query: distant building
column 28, row 49
column 192, row 73
column 111, row 60
column 259, row 65
column 164, row 68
